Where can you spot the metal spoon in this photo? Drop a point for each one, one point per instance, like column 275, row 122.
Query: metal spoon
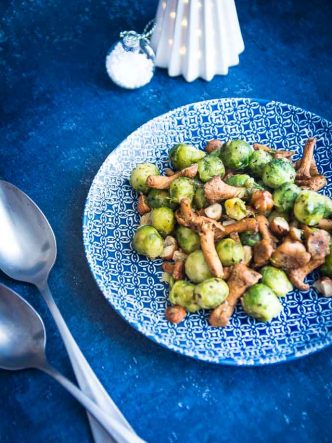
column 22, row 346
column 27, row 253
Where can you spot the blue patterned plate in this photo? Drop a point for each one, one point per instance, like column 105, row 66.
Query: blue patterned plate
column 132, row 284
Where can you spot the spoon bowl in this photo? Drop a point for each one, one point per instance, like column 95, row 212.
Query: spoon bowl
column 22, row 332
column 27, row 242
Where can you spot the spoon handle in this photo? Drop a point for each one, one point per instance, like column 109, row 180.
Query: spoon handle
column 110, row 424
column 86, row 377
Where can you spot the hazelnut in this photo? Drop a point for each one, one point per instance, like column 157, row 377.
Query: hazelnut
column 324, row 286
column 279, row 226
column 142, row 205
column 213, row 145
column 214, row 211
column 175, row 314
column 262, row 201
column 170, row 246
column 169, row 172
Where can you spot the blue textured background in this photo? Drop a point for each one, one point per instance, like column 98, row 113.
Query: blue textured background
column 60, row 117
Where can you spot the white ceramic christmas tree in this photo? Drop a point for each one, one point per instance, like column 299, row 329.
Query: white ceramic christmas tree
column 197, row 38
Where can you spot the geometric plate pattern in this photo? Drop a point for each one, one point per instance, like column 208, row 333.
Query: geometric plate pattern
column 131, row 283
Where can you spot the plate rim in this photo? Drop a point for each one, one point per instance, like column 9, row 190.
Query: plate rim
column 310, row 350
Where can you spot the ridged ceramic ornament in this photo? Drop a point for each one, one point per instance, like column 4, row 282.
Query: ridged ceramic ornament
column 197, row 38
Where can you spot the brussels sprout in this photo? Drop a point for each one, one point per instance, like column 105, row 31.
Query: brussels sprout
column 244, row 180
column 277, row 280
column 188, row 240
column 241, row 180
column 250, row 238
column 230, row 252
column 258, row 160
column 215, row 153
column 309, row 207
column 278, row 172
column 261, row 302
column 158, row 198
column 285, row 196
column 209, row 167
column 328, row 207
column 211, row 293
column 200, row 199
column 196, row 267
column 181, row 188
column 147, row 241
column 184, row 155
column 140, row 174
column 236, row 153
column 236, row 208
column 163, row 220
column 327, row 266
column 182, row 293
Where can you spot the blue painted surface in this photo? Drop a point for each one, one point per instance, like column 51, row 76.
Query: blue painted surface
column 60, row 118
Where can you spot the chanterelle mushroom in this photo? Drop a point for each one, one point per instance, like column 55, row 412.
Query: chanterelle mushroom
column 315, row 183
column 216, row 190
column 317, row 242
column 209, row 250
column 291, row 254
column 164, row 182
column 277, row 153
column 263, row 250
column 308, row 154
column 240, row 279
column 325, row 224
column 297, row 276
column 246, row 224
column 187, row 217
column 313, row 167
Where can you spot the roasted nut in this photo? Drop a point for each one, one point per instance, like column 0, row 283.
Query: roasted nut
column 262, row 201
column 175, row 314
column 146, row 219
column 228, row 222
column 178, row 270
column 213, row 145
column 170, row 246
column 179, row 256
column 248, row 252
column 279, row 226
column 169, row 172
column 324, row 286
column 142, row 205
column 214, row 211
column 296, row 234
column 235, row 236
column 168, row 267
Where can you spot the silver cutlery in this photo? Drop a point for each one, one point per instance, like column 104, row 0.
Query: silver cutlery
column 22, row 346
column 27, row 253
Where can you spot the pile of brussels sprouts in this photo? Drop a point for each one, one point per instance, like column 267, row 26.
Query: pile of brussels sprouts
column 252, row 170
